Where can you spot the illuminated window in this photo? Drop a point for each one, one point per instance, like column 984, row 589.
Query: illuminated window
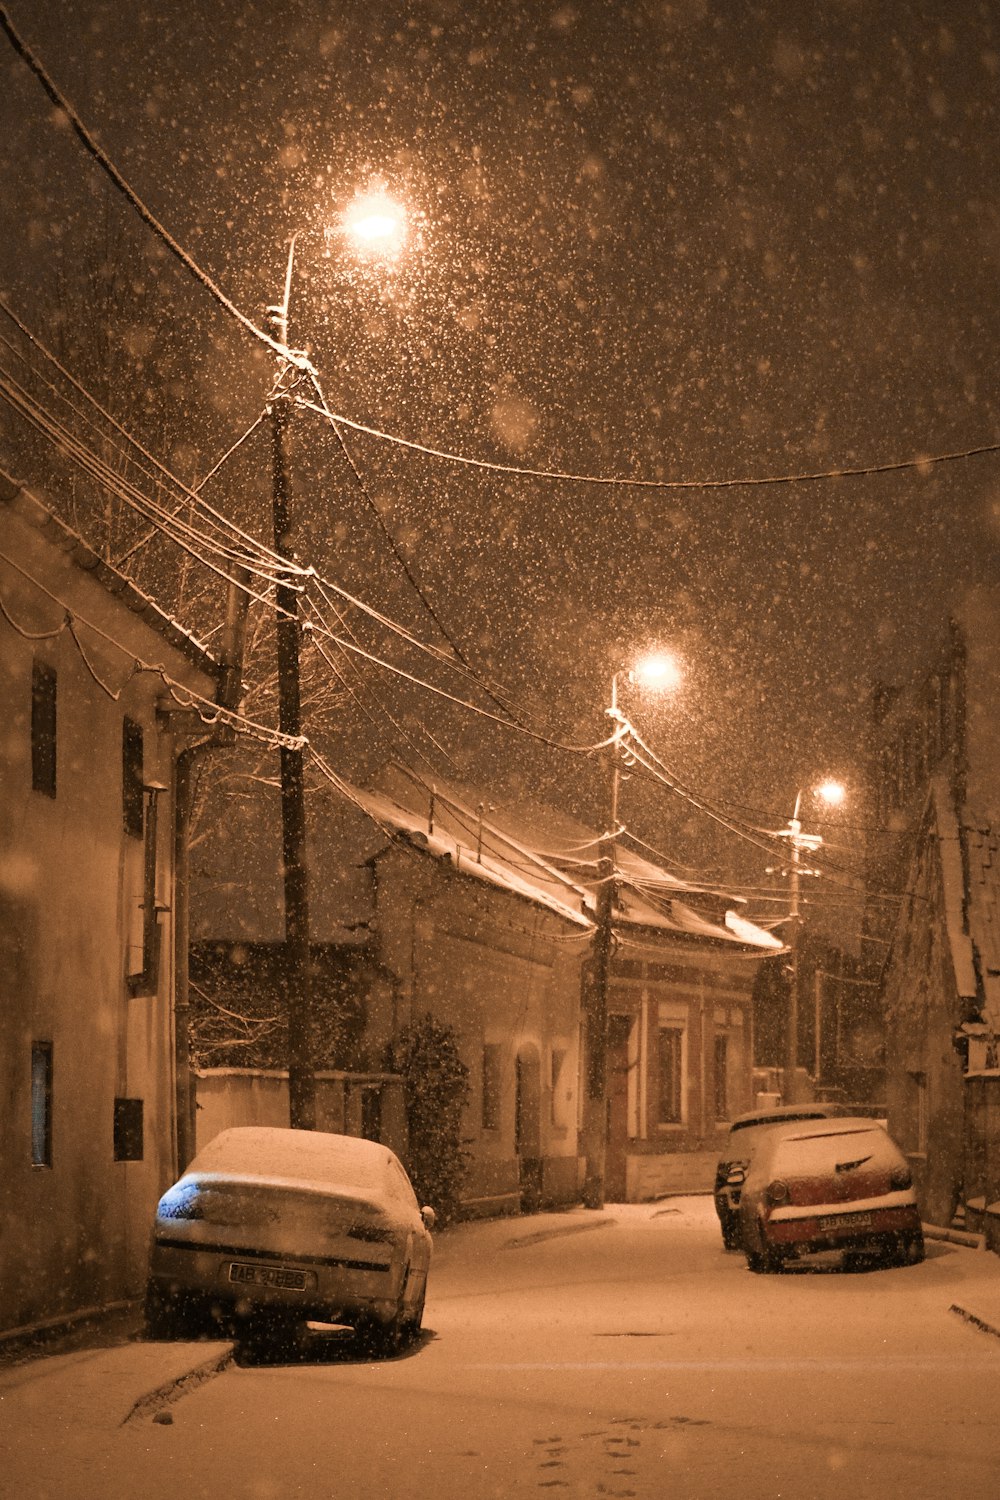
column 491, row 1086
column 670, row 1092
column 132, row 778
column 43, row 729
column 128, row 1130
column 41, row 1104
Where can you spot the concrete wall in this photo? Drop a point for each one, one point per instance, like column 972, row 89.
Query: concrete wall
column 256, row 1096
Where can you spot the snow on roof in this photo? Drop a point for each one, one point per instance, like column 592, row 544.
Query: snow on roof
column 532, row 881
column 485, row 848
column 34, row 512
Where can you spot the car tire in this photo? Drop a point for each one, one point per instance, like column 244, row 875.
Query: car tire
column 166, row 1315
column 763, row 1262
column 415, row 1321
column 731, row 1237
column 907, row 1249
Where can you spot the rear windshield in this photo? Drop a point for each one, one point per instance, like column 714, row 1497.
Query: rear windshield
column 806, row 1156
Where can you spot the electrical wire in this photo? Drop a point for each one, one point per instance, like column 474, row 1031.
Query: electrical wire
column 264, row 553
column 623, row 482
column 207, row 709
column 108, row 167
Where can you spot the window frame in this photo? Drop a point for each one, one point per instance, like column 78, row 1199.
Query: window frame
column 41, row 1094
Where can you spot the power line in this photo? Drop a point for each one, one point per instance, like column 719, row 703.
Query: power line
column 301, row 361
column 107, row 165
column 623, row 482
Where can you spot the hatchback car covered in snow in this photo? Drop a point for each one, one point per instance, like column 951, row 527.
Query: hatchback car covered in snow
column 291, row 1225
column 745, row 1134
column 840, row 1184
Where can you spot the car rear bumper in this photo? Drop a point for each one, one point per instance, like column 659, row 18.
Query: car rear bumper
column 839, row 1231
column 233, row 1282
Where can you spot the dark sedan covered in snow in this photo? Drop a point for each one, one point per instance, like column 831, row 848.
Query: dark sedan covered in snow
column 278, row 1226
column 840, row 1184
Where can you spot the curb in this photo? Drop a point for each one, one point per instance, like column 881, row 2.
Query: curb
column 164, row 1395
column 954, row 1236
column 975, row 1320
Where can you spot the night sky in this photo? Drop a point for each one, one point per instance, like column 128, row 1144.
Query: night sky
column 689, row 241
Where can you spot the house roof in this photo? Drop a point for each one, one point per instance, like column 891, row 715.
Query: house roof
column 440, row 823
column 34, row 512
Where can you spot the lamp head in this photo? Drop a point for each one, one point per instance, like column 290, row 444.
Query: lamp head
column 660, row 671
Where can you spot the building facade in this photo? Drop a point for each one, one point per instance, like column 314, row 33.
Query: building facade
column 457, row 915
column 86, row 898
column 936, row 792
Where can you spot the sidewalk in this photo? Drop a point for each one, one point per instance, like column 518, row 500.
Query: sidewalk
column 102, row 1388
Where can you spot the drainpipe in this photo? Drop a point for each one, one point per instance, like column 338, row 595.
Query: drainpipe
column 228, row 694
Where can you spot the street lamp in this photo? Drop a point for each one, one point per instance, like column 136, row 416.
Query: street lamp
column 375, row 224
column 832, row 793
column 659, row 671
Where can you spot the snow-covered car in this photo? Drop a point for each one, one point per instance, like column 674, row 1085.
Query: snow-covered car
column 839, row 1184
column 745, row 1134
column 281, row 1225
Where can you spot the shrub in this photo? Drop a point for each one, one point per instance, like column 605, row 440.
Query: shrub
column 436, row 1088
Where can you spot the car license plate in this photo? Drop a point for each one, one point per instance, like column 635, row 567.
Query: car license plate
column 276, row 1276
column 846, row 1221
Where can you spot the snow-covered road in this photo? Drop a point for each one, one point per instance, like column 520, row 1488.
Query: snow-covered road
column 580, row 1354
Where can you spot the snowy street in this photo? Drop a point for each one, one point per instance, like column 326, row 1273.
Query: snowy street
column 621, row 1353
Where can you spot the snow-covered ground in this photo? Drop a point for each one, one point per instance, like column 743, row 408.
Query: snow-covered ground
column 582, row 1354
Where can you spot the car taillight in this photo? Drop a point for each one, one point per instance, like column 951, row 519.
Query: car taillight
column 180, row 1203
column 900, row 1179
column 777, row 1191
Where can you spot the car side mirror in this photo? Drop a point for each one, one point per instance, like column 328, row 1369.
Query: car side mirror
column 429, row 1217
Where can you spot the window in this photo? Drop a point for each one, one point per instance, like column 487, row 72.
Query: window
column 491, row 1086
column 132, row 778
column 557, row 1110
column 43, row 729
column 41, row 1104
column 669, row 1056
column 721, row 1078
column 916, row 1124
column 128, row 1130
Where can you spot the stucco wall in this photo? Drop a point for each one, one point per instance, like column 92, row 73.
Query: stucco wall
column 75, row 1233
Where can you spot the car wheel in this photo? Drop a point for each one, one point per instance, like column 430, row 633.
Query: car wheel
column 731, row 1238
column 766, row 1262
column 416, row 1318
column 907, row 1249
column 166, row 1315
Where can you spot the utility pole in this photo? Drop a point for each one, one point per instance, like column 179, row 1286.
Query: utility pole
column 297, row 966
column 798, row 841
column 595, row 1117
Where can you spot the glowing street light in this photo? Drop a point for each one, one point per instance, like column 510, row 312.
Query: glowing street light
column 662, row 672
column 375, row 223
